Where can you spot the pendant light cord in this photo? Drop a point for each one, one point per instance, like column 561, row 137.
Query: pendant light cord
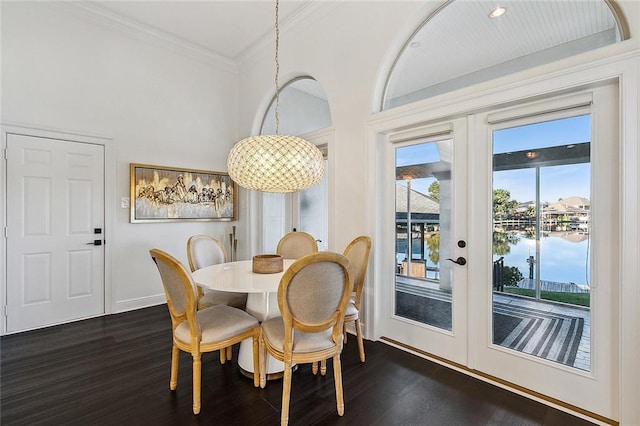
column 277, row 115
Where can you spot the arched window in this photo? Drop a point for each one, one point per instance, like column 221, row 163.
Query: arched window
column 468, row 42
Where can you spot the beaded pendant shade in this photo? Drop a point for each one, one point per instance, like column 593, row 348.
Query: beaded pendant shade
column 275, row 163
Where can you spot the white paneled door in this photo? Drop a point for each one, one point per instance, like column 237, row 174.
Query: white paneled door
column 55, row 231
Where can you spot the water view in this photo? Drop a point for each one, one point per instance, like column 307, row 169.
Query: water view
column 540, row 249
column 564, row 257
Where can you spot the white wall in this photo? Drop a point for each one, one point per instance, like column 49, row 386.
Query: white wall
column 349, row 47
column 61, row 70
column 343, row 48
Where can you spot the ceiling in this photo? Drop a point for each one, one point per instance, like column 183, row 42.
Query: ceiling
column 463, row 45
column 225, row 28
column 459, row 45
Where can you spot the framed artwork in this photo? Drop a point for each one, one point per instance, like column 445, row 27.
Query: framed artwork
column 171, row 194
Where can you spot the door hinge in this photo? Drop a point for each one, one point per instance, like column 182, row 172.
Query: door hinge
column 6, row 233
column 5, row 311
column 5, row 154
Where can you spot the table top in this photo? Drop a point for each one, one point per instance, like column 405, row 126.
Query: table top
column 238, row 277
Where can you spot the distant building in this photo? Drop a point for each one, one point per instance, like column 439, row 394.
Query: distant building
column 425, row 219
column 572, row 213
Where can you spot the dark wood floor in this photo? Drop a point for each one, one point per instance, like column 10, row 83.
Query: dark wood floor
column 115, row 371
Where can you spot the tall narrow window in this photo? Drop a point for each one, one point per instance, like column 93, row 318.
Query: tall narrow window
column 541, row 239
column 423, row 226
column 313, row 206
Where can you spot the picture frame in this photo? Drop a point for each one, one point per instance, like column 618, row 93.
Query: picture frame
column 172, row 194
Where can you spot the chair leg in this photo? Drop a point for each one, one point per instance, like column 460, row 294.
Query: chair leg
column 286, row 392
column 344, row 332
column 337, row 375
column 314, row 368
column 360, row 342
column 262, row 351
column 197, row 367
column 256, row 357
column 229, row 353
column 223, row 355
column 323, row 367
column 175, row 358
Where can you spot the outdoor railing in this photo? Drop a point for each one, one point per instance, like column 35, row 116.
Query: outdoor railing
column 554, row 286
column 498, row 274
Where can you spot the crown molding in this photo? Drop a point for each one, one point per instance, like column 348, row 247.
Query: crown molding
column 309, row 11
column 131, row 28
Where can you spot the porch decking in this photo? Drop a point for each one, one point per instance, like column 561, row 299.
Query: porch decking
column 430, row 290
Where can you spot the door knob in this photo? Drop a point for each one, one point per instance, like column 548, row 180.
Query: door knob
column 460, row 261
column 95, row 243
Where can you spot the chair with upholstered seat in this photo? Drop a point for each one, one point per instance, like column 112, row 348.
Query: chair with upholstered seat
column 312, row 296
column 357, row 252
column 203, row 250
column 199, row 331
column 296, row 244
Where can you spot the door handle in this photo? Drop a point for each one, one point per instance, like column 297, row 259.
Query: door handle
column 95, row 243
column 460, row 261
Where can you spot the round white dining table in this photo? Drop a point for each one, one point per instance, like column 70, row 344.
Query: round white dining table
column 262, row 299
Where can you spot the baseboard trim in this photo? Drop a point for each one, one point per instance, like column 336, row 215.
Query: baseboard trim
column 139, row 303
column 512, row 387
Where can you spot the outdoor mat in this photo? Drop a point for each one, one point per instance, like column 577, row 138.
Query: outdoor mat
column 548, row 335
column 424, row 309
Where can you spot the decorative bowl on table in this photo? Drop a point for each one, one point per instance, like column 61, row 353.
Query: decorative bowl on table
column 267, row 263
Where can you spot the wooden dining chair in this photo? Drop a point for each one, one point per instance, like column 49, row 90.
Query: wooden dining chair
column 203, row 250
column 357, row 251
column 296, row 244
column 312, row 296
column 199, row 331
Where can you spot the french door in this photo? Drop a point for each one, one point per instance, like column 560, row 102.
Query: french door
column 500, row 245
column 426, row 180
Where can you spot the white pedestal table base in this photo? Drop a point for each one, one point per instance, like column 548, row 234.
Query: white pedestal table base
column 262, row 306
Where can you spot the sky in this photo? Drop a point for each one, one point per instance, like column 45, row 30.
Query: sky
column 555, row 182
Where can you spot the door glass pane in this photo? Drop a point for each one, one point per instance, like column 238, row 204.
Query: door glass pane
column 423, row 233
column 541, row 239
column 314, row 208
column 273, row 208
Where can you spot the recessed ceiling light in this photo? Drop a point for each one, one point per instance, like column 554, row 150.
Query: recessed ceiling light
column 497, row 12
column 571, row 146
column 414, row 44
column 531, row 155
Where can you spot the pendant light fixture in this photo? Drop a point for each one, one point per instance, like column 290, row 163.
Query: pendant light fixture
column 275, row 163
